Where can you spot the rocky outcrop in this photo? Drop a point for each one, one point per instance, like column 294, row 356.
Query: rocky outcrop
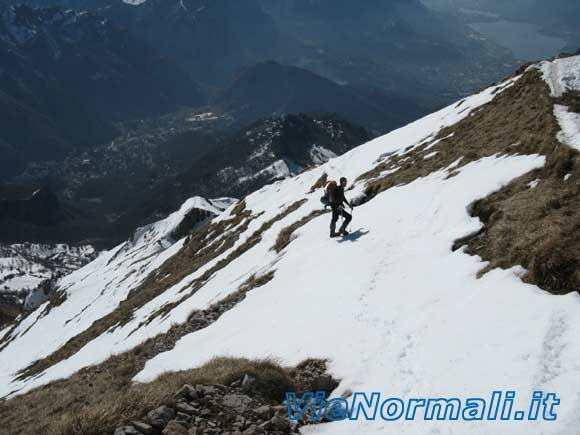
column 235, row 409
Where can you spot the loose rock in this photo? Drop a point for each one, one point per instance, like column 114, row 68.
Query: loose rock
column 144, row 428
column 174, row 428
column 187, row 392
column 238, row 402
column 127, row 430
column 161, row 416
column 186, row 408
column 264, row 411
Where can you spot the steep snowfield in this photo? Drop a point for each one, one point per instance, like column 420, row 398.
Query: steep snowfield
column 95, row 290
column 391, row 307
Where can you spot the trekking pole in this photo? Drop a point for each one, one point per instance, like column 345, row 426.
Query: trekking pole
column 352, row 217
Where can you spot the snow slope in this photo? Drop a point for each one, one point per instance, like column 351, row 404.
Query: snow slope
column 95, row 290
column 391, row 307
column 384, row 326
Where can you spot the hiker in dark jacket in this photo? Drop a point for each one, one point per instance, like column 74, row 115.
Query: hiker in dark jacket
column 337, row 202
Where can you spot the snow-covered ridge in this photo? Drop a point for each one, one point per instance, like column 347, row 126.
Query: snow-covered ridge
column 161, row 233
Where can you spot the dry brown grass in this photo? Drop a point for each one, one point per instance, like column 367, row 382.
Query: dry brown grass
column 536, row 228
column 196, row 252
column 7, row 314
column 96, row 402
column 285, row 236
column 320, row 183
column 252, row 241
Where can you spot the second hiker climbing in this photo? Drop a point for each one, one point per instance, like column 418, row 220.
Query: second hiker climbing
column 337, row 201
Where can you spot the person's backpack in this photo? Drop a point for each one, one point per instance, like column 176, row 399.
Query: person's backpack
column 328, row 197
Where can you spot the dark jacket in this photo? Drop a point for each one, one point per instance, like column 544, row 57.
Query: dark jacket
column 338, row 197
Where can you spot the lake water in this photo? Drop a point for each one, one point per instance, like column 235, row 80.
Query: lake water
column 523, row 39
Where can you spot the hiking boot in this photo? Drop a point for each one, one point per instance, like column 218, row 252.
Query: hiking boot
column 333, row 234
column 344, row 232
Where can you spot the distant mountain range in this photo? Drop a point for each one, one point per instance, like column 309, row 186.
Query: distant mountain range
column 209, row 39
column 270, row 149
column 66, row 78
column 391, row 44
column 270, row 88
column 108, row 106
column 101, row 196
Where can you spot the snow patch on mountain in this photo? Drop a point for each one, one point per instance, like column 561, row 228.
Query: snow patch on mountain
column 24, row 266
column 562, row 75
column 277, row 170
column 570, row 125
column 320, row 155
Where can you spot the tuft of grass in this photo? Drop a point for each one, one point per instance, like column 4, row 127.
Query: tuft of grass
column 8, row 313
column 285, row 235
column 320, row 183
column 572, row 100
column 555, row 266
